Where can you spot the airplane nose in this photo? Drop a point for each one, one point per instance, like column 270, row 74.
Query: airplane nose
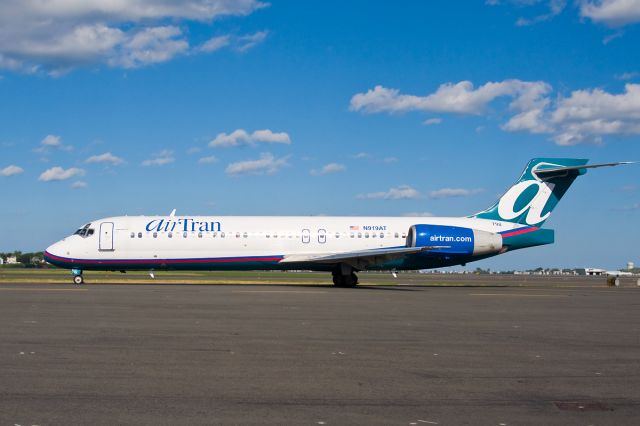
column 55, row 250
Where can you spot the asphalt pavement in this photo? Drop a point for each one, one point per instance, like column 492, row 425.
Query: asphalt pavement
column 251, row 354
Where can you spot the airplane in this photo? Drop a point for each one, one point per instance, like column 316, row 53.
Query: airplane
column 340, row 245
column 619, row 274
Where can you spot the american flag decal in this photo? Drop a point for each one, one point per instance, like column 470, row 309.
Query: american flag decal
column 354, row 228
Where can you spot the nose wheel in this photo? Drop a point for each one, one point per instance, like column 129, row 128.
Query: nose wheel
column 77, row 276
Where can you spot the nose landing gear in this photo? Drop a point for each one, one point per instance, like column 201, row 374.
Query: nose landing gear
column 77, row 276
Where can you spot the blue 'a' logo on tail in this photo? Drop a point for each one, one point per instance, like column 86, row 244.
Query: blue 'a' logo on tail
column 532, row 198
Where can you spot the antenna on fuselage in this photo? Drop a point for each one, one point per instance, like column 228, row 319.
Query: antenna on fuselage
column 173, row 213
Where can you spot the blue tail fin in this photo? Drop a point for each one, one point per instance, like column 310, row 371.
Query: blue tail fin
column 532, row 198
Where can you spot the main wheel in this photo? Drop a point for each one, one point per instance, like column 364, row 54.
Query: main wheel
column 354, row 279
column 345, row 281
column 77, row 279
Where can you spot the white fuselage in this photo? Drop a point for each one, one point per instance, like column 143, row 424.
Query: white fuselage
column 141, row 241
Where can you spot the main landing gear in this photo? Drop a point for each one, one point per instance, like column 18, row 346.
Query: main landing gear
column 77, row 276
column 344, row 276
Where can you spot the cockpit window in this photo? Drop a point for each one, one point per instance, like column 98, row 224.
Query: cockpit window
column 85, row 231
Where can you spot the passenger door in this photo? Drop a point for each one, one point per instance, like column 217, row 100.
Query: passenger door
column 106, row 236
column 306, row 236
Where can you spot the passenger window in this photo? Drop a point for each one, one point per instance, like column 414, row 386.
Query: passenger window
column 359, row 234
column 366, row 235
column 133, row 235
column 337, row 235
column 184, row 235
column 404, row 235
column 222, row 235
column 155, row 235
column 215, row 234
column 199, row 234
column 382, row 235
column 373, row 235
column 139, row 234
column 351, row 235
column 237, row 235
column 275, row 235
column 245, row 235
column 170, row 235
column 395, row 235
column 268, row 235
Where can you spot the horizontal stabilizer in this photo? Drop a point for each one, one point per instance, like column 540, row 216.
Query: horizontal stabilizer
column 358, row 259
column 562, row 171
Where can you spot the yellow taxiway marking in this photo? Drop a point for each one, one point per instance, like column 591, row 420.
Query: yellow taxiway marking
column 278, row 291
column 517, row 295
column 42, row 289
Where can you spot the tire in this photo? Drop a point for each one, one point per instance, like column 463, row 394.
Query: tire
column 78, row 280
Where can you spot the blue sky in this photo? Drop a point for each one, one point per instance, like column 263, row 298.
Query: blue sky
column 318, row 108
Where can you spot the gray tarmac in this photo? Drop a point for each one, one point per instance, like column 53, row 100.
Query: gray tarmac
column 547, row 352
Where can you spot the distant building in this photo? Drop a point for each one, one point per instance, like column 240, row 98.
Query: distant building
column 1, row 261
column 630, row 266
column 12, row 260
column 595, row 271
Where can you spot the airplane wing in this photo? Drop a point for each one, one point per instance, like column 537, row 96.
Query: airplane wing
column 358, row 259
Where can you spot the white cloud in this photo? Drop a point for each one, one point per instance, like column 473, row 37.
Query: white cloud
column 453, row 192
column 402, row 192
column 418, row 214
column 627, row 75
column 52, row 142
column 329, row 168
column 555, row 8
column 585, row 116
column 59, row 35
column 107, row 157
column 389, row 160
column 361, row 155
column 160, row 159
column 215, row 43
column 149, row 46
column 58, row 173
column 432, row 121
column 208, row 160
column 266, row 164
column 79, row 185
column 250, row 41
column 533, row 121
column 588, row 115
column 11, row 170
column 460, row 98
column 613, row 13
column 242, row 137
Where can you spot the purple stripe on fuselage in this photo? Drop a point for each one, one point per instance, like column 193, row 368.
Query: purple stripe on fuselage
column 55, row 258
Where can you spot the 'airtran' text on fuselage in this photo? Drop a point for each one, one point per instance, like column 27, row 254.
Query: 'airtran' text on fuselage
column 182, row 224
